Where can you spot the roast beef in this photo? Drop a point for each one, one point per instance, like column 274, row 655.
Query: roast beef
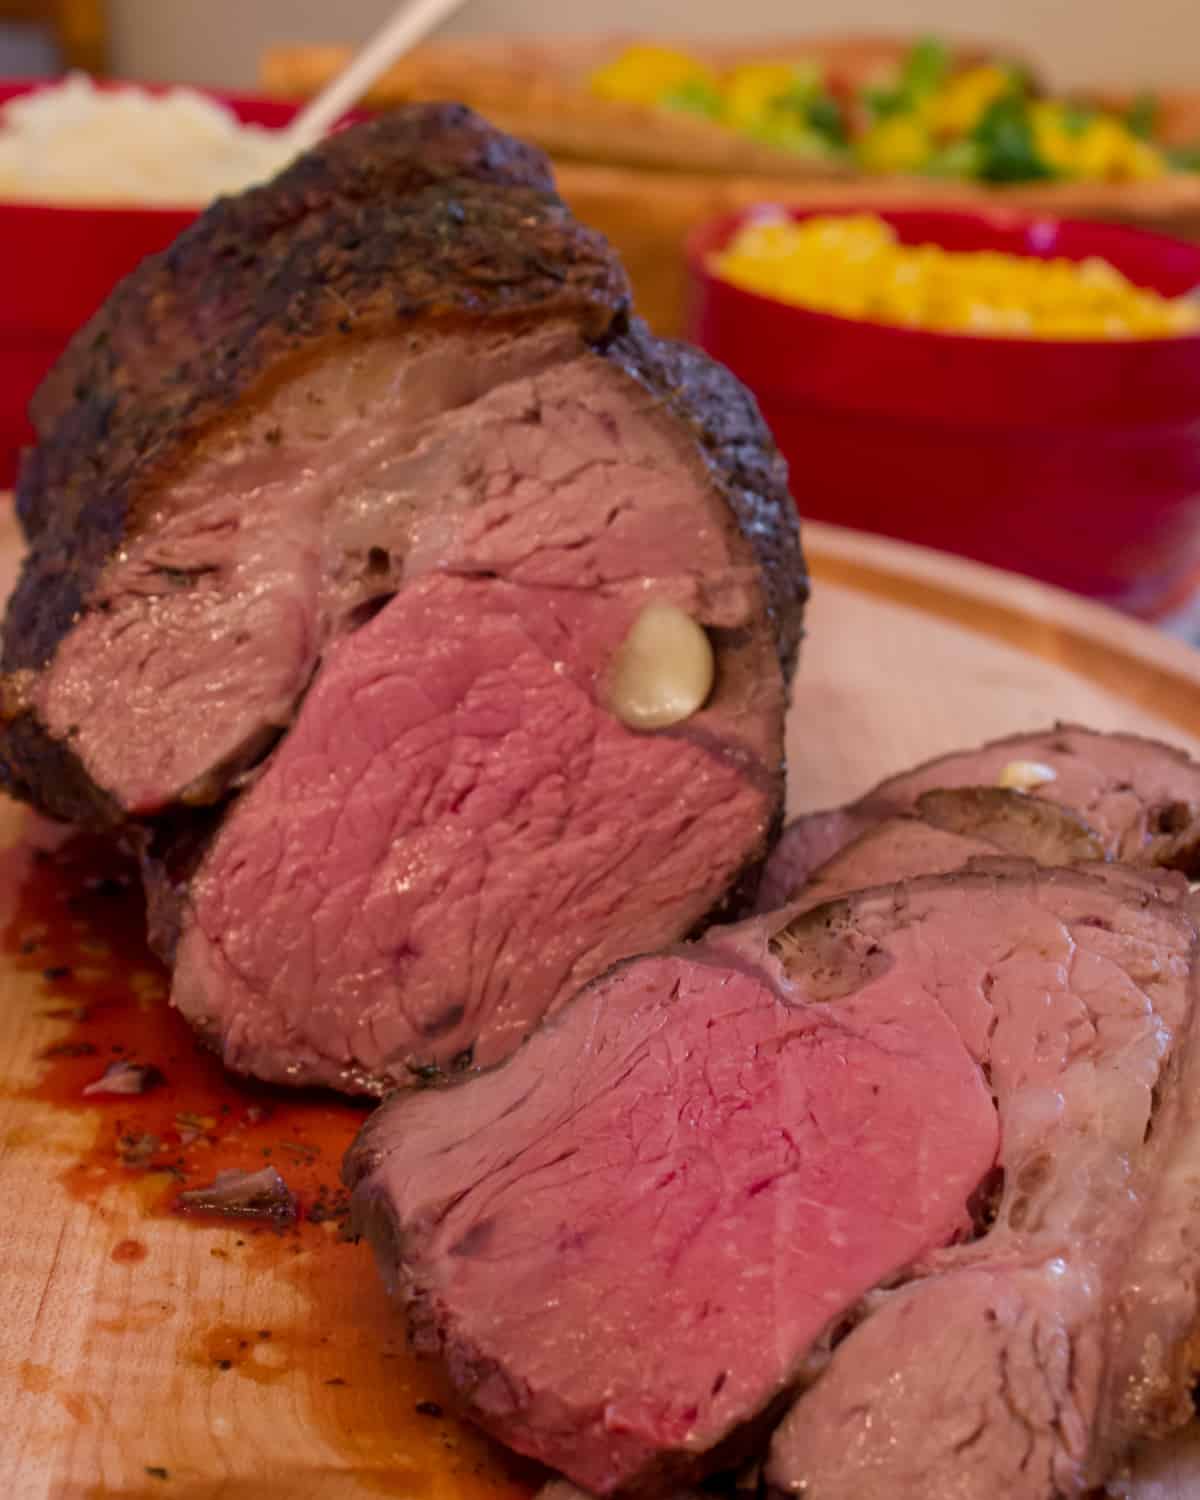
column 1026, row 1363
column 223, row 447
column 341, row 513
column 659, row 1218
column 946, row 830
column 1137, row 798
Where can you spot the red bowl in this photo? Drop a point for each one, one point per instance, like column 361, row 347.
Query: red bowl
column 1077, row 462
column 57, row 265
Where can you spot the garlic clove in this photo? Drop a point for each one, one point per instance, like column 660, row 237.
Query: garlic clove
column 1025, row 775
column 663, row 670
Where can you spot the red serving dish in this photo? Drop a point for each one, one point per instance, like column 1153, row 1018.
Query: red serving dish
column 1076, row 462
column 57, row 264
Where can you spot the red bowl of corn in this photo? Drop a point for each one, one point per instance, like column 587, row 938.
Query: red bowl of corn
column 59, row 260
column 1039, row 443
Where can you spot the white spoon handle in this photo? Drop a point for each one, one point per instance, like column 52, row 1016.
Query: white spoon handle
column 413, row 21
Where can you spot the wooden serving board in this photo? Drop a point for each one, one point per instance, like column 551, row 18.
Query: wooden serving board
column 146, row 1355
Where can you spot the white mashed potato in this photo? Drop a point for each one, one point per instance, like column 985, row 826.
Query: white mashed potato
column 76, row 143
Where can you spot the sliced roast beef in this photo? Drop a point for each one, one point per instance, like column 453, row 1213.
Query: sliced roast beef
column 631, row 1240
column 1027, row 1362
column 458, row 831
column 624, row 1242
column 344, row 515
column 1137, row 800
column 946, row 830
column 1048, row 832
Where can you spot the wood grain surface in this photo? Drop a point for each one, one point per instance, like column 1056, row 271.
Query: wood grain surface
column 143, row 1354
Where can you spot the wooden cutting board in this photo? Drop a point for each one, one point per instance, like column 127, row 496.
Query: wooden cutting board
column 143, row 1354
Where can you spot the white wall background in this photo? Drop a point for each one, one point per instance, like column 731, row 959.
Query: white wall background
column 1075, row 41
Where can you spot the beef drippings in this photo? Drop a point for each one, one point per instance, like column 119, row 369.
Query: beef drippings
column 77, row 930
column 73, row 931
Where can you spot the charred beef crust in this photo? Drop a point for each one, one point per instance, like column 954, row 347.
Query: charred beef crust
column 36, row 768
column 201, row 289
column 742, row 456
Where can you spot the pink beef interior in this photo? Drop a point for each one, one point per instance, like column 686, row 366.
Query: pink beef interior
column 985, row 1376
column 454, row 836
column 632, row 1265
column 457, row 832
column 666, row 1210
column 212, row 618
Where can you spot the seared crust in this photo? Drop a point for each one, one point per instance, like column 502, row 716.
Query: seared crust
column 181, row 305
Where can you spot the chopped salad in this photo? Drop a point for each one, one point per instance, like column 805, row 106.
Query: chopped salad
column 986, row 122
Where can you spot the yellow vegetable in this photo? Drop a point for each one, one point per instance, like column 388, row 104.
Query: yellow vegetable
column 898, row 143
column 854, row 265
column 956, row 108
column 643, row 74
column 749, row 91
column 942, row 127
column 1101, row 150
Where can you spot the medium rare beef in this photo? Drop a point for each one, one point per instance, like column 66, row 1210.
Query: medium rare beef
column 661, row 1216
column 1139, row 800
column 343, row 513
column 454, row 836
column 624, row 1242
column 1027, row 1362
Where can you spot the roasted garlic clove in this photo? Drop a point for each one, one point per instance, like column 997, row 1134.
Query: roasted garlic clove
column 663, row 671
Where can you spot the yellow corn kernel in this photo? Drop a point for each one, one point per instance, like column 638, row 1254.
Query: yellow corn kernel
column 853, row 265
column 643, row 74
